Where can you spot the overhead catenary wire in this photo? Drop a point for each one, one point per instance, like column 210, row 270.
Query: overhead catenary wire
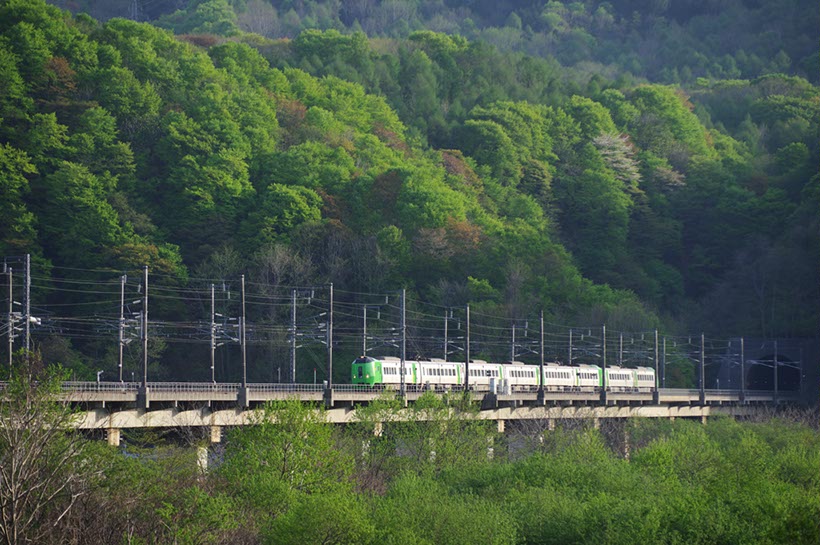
column 268, row 302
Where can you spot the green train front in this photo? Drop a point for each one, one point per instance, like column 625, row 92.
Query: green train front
column 384, row 371
column 367, row 370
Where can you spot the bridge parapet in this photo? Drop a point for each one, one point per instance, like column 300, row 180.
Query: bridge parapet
column 125, row 395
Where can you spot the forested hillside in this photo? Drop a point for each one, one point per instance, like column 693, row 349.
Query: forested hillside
column 398, row 156
column 668, row 42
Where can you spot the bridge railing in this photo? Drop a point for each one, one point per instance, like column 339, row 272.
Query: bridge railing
column 280, row 387
column 78, row 387
column 724, row 393
column 104, row 389
column 680, row 391
column 194, row 387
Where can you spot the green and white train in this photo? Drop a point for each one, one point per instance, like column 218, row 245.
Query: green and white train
column 439, row 374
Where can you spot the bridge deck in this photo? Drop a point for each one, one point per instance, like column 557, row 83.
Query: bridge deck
column 116, row 405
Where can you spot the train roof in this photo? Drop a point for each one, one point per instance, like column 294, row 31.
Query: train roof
column 644, row 369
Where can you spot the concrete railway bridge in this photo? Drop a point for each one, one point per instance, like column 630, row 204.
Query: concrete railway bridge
column 111, row 407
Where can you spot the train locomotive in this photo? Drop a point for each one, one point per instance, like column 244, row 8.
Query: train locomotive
column 438, row 374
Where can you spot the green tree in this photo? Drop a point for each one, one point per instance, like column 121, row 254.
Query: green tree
column 288, row 452
column 335, row 519
column 17, row 224
column 283, row 208
column 79, row 223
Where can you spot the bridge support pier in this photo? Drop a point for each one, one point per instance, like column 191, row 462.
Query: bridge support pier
column 501, row 425
column 703, row 419
column 378, row 429
column 626, row 441
column 113, row 437
column 216, row 434
column 142, row 398
column 202, row 459
column 550, row 424
column 243, row 397
column 596, row 423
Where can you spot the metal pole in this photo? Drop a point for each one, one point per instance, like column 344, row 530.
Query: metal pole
column 293, row 336
column 446, row 340
column 656, row 360
column 742, row 369
column 28, row 306
column 702, row 366
column 775, row 372
column 467, row 352
column 663, row 374
column 570, row 348
column 403, row 340
column 541, row 363
column 364, row 330
column 213, row 335
column 243, row 338
column 512, row 346
column 123, row 279
column 620, row 350
column 603, row 353
column 11, row 317
column 145, row 327
column 330, row 339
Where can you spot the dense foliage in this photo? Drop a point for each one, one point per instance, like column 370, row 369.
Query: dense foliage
column 663, row 41
column 465, row 172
